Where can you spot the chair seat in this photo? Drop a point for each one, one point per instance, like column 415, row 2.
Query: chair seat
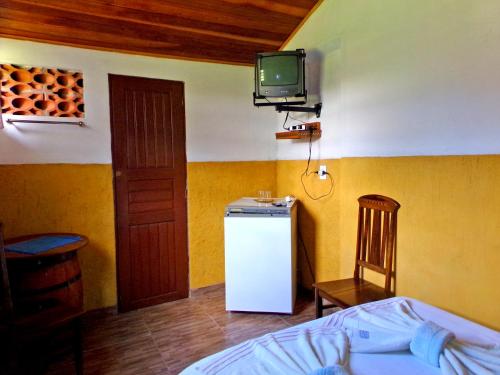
column 350, row 292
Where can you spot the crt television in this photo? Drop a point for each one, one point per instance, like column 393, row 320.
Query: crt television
column 280, row 74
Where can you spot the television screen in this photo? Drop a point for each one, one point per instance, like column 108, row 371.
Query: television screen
column 279, row 70
column 280, row 74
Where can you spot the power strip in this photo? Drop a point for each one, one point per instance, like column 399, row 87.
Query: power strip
column 298, row 127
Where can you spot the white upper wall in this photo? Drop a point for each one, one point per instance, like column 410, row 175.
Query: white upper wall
column 395, row 78
column 403, row 78
column 221, row 122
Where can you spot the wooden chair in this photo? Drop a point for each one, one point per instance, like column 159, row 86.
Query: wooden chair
column 20, row 332
column 375, row 248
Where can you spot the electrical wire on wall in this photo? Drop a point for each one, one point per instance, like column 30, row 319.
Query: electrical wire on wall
column 287, row 115
column 286, row 118
column 293, row 118
column 306, row 254
column 284, row 122
column 296, row 119
column 307, row 173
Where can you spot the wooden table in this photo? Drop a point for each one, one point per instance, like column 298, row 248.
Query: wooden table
column 51, row 279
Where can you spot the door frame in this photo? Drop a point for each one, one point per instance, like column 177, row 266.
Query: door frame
column 113, row 171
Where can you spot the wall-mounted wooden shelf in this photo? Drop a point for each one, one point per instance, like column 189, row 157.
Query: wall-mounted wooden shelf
column 299, row 134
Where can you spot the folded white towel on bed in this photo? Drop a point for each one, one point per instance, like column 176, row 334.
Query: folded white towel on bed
column 375, row 329
column 289, row 352
column 429, row 341
column 330, row 370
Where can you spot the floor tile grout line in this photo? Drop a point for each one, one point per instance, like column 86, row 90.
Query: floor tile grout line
column 215, row 321
column 155, row 343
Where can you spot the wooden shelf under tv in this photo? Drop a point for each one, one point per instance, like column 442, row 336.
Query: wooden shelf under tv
column 299, row 134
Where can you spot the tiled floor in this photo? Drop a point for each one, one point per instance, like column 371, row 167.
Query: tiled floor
column 164, row 339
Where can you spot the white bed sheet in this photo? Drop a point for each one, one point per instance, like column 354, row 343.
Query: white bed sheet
column 403, row 363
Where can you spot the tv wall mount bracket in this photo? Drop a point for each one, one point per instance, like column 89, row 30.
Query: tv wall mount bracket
column 290, row 106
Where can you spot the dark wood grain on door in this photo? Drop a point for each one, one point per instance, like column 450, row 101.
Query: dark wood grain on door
column 149, row 164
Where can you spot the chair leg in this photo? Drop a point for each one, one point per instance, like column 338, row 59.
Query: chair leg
column 318, row 301
column 78, row 346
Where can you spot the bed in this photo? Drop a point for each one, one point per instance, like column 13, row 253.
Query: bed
column 367, row 339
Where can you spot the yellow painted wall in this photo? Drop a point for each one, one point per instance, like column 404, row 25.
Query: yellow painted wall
column 449, row 224
column 211, row 186
column 79, row 198
column 448, row 243
column 66, row 198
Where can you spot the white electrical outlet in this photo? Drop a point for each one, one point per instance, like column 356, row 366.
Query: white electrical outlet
column 322, row 172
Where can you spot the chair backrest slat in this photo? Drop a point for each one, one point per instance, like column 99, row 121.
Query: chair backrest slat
column 390, row 252
column 375, row 246
column 365, row 245
column 376, row 241
column 385, row 237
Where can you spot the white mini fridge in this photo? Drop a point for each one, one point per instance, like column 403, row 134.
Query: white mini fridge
column 260, row 256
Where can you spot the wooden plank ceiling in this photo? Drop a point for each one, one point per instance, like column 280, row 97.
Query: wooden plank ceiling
column 228, row 31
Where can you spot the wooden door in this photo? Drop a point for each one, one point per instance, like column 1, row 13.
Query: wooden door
column 149, row 164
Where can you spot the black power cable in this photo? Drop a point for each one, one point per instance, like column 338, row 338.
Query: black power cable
column 306, row 173
column 284, row 123
column 306, row 254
